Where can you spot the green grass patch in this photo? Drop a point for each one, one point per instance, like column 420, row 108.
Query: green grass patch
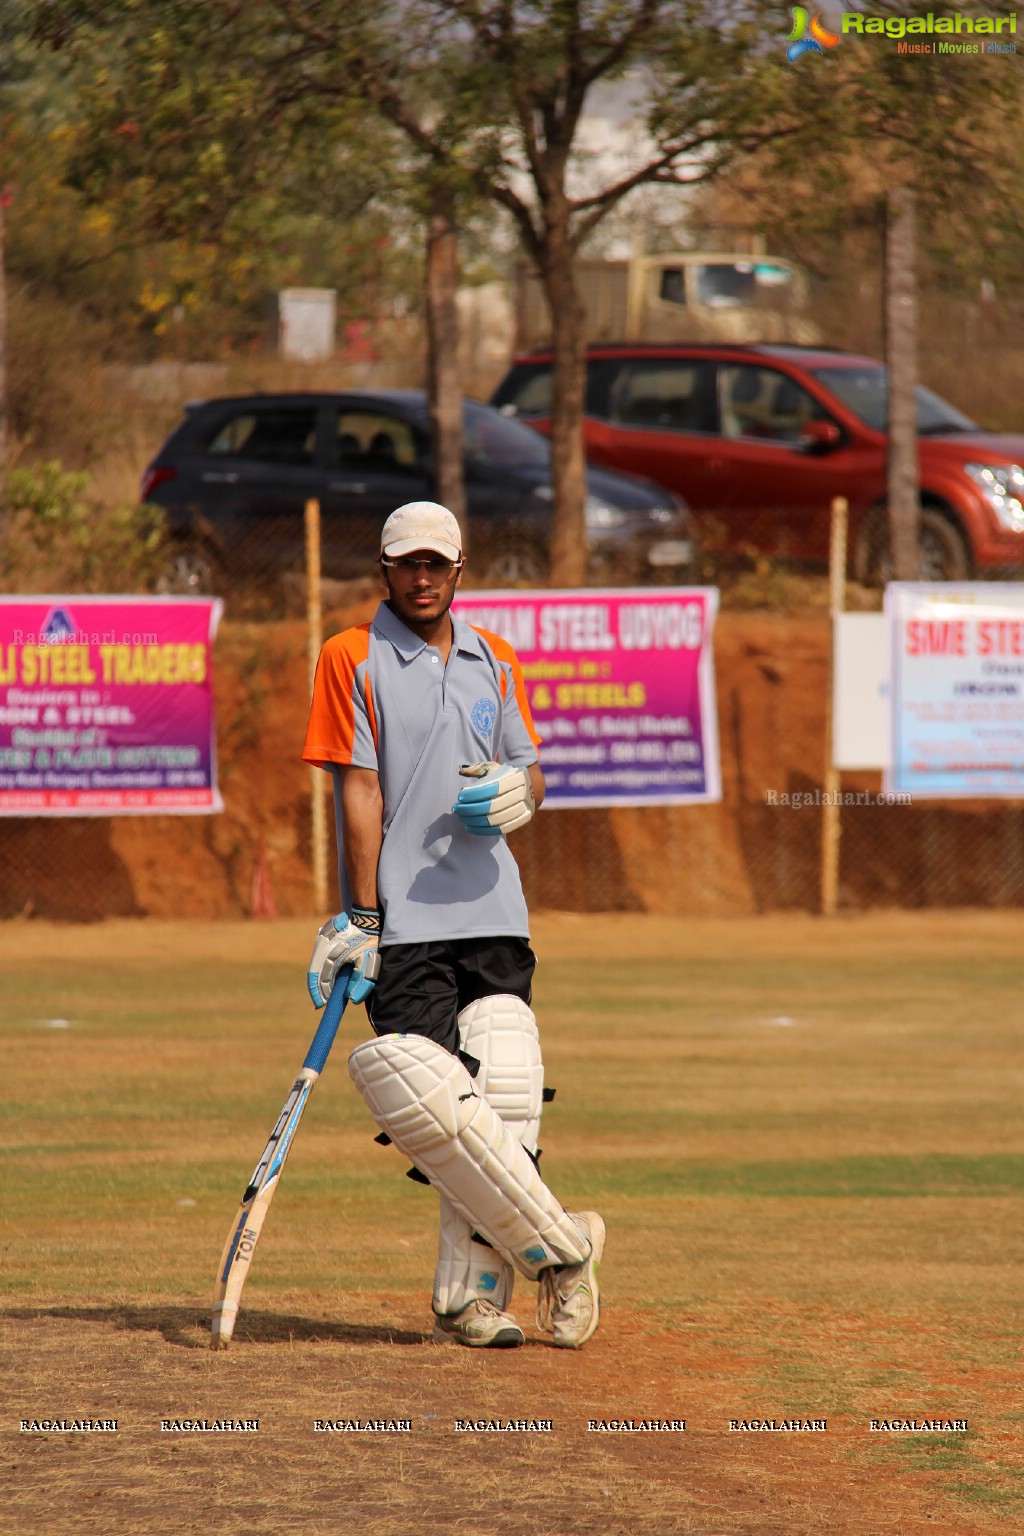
column 867, row 1158
column 861, row 1178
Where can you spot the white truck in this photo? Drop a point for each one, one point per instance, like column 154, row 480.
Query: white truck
column 679, row 296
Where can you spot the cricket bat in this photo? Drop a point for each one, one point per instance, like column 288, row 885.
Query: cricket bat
column 233, row 1269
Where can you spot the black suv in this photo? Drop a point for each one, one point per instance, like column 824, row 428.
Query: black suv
column 234, row 477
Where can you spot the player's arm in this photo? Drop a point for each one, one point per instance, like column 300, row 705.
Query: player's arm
column 352, row 938
column 341, row 729
column 536, row 783
column 362, row 816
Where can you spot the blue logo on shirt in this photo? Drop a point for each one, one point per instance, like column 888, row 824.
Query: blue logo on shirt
column 483, row 715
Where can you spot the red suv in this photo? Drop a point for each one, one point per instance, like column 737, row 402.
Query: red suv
column 759, row 439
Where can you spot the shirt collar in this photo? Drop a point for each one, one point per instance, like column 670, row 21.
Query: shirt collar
column 405, row 642
column 467, row 638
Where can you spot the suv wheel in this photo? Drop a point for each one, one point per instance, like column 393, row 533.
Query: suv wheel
column 943, row 552
column 524, row 566
column 192, row 570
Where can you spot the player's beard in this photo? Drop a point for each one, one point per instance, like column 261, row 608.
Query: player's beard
column 415, row 611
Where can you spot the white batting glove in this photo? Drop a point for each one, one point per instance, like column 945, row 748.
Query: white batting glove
column 499, row 800
column 346, row 941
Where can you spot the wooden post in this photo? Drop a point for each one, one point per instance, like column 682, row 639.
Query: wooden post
column 314, row 640
column 831, row 828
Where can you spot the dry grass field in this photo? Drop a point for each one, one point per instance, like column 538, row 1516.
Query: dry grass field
column 805, row 1137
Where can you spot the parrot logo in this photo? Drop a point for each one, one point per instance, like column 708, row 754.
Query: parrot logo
column 799, row 43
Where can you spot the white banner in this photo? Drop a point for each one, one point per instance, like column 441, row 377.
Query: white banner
column 957, row 695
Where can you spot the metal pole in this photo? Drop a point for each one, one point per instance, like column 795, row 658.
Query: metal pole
column 314, row 640
column 831, row 829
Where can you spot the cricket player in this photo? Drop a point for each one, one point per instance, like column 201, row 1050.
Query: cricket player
column 424, row 724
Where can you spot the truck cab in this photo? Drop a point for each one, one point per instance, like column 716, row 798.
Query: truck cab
column 712, row 296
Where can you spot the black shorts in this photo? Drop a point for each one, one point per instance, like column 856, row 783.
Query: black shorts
column 422, row 988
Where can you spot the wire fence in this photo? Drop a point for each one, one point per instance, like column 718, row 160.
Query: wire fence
column 759, row 850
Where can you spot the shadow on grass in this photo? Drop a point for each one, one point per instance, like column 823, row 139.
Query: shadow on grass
column 189, row 1327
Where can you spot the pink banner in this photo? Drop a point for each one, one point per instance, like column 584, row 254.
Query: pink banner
column 106, row 706
column 621, row 687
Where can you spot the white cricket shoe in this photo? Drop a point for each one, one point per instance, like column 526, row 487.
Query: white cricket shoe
column 480, row 1326
column 568, row 1303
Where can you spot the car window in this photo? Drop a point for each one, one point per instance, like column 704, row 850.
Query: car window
column 761, row 402
column 281, row 436
column 526, row 391
column 375, row 440
column 741, row 284
column 865, row 391
column 672, row 287
column 674, row 395
column 493, row 441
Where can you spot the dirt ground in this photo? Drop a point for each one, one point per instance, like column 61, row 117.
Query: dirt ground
column 938, row 1343
column 288, row 1370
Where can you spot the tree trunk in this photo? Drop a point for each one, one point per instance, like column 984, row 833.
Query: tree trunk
column 568, row 384
column 443, row 360
column 901, row 358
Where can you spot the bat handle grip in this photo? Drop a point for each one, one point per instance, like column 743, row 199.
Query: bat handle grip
column 320, row 1046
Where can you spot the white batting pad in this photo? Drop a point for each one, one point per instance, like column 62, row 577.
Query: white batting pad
column 426, row 1102
column 468, row 1270
column 501, row 1032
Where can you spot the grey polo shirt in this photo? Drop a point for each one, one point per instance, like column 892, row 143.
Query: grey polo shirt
column 384, row 699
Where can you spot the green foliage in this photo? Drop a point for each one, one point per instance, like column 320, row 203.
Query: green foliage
column 863, row 118
column 58, row 540
column 53, row 379
column 161, row 191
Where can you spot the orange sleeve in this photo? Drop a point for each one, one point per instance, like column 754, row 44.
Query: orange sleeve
column 342, row 724
column 510, row 667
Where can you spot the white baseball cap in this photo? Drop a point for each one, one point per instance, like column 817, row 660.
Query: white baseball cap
column 421, row 525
